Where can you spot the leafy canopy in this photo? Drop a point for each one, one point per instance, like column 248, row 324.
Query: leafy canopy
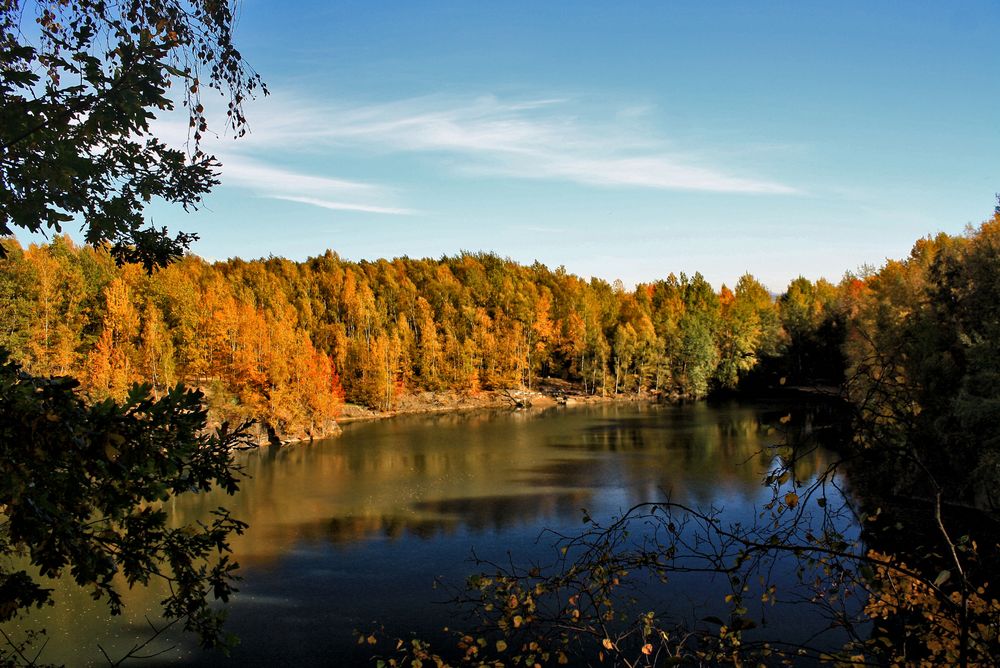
column 80, row 83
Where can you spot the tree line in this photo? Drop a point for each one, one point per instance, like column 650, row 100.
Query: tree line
column 286, row 341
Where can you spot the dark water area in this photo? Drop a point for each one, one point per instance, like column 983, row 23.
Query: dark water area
column 352, row 533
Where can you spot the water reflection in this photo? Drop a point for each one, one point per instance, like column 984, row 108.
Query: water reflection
column 481, row 471
column 355, row 529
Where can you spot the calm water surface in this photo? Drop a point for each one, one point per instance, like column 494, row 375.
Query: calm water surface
column 351, row 532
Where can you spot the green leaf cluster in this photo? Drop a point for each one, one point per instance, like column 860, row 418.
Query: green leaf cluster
column 82, row 489
column 76, row 106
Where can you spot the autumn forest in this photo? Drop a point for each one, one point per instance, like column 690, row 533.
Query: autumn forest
column 287, row 342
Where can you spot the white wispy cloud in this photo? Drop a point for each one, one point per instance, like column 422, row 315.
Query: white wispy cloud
column 343, row 206
column 325, row 192
column 249, row 164
column 531, row 139
column 241, row 170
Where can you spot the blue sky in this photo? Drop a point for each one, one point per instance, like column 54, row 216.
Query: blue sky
column 622, row 140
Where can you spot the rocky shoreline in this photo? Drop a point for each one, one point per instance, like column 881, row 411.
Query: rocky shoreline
column 548, row 393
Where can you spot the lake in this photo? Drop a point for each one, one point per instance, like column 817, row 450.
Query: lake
column 352, row 532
